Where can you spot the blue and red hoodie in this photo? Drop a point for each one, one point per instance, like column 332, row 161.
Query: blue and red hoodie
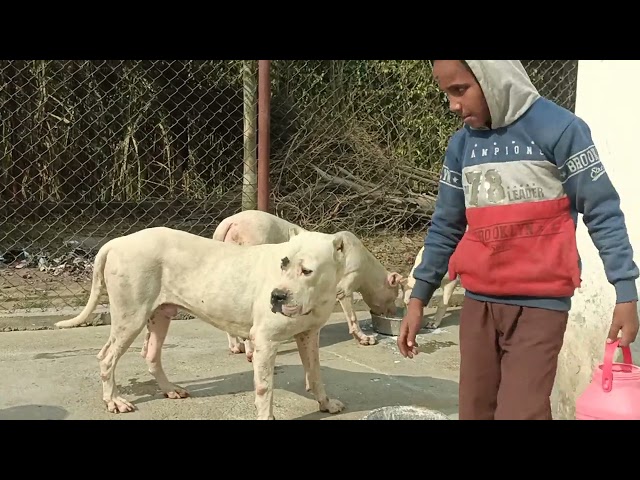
column 516, row 188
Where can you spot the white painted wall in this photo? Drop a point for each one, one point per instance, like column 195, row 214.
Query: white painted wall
column 613, row 118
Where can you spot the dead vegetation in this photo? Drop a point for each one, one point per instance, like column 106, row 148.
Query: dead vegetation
column 332, row 178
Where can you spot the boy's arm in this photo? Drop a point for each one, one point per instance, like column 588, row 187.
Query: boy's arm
column 448, row 224
column 589, row 187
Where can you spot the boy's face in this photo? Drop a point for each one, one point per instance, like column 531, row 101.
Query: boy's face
column 466, row 98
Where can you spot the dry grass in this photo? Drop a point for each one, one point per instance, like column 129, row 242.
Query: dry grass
column 332, row 177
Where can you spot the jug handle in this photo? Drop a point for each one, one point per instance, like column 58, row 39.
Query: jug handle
column 607, row 374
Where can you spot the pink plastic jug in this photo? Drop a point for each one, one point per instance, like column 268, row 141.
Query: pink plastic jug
column 614, row 391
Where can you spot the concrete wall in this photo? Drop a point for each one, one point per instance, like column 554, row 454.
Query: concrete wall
column 612, row 116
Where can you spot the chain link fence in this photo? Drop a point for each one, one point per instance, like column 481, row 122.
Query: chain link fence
column 95, row 149
column 359, row 144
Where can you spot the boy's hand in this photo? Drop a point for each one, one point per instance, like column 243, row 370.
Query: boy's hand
column 625, row 319
column 409, row 328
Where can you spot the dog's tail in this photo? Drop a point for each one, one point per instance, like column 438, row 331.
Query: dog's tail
column 447, row 291
column 97, row 284
column 222, row 229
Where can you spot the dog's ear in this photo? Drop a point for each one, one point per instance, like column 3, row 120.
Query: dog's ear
column 345, row 240
column 339, row 256
column 293, row 231
column 394, row 279
column 338, row 242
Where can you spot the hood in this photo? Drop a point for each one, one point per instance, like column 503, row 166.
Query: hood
column 506, row 87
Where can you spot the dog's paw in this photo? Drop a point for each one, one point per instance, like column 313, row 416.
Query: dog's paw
column 432, row 325
column 176, row 392
column 332, row 405
column 367, row 340
column 120, row 405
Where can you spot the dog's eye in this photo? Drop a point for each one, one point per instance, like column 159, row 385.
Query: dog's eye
column 306, row 272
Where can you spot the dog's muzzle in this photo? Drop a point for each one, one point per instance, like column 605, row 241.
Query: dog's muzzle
column 278, row 298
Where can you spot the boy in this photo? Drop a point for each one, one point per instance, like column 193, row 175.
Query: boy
column 517, row 173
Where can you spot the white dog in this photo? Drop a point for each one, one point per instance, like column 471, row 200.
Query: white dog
column 364, row 273
column 448, row 286
column 268, row 293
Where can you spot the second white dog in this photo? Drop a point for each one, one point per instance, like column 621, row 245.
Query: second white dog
column 363, row 274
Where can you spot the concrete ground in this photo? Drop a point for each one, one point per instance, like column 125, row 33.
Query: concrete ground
column 53, row 374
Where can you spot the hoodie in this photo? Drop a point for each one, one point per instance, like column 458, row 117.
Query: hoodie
column 509, row 198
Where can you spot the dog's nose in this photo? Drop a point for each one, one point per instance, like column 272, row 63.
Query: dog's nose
column 278, row 296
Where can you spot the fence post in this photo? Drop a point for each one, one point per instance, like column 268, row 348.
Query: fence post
column 249, row 187
column 264, row 129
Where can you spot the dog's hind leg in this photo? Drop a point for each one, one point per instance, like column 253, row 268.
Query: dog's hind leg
column 240, row 345
column 439, row 315
column 125, row 327
column 158, row 328
column 447, row 292
column 236, row 345
column 248, row 349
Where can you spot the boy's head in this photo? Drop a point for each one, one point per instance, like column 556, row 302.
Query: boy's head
column 486, row 94
column 466, row 98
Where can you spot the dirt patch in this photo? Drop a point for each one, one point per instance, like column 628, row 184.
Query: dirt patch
column 29, row 289
column 396, row 252
column 56, row 270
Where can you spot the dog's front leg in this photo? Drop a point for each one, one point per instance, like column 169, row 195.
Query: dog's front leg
column 236, row 344
column 248, row 348
column 346, row 302
column 264, row 361
column 309, row 349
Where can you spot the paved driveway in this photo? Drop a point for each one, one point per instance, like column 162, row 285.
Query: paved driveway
column 53, row 374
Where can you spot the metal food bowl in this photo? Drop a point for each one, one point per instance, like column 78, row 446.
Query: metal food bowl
column 390, row 325
column 405, row 412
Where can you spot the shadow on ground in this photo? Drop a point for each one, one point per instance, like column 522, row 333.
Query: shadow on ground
column 359, row 391
column 338, row 332
column 33, row 412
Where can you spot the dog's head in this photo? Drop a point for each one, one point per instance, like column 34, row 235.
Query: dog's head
column 385, row 293
column 311, row 266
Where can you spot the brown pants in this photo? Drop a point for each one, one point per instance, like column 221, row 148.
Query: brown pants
column 508, row 360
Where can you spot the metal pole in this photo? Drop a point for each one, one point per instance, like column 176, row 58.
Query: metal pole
column 250, row 177
column 264, row 130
